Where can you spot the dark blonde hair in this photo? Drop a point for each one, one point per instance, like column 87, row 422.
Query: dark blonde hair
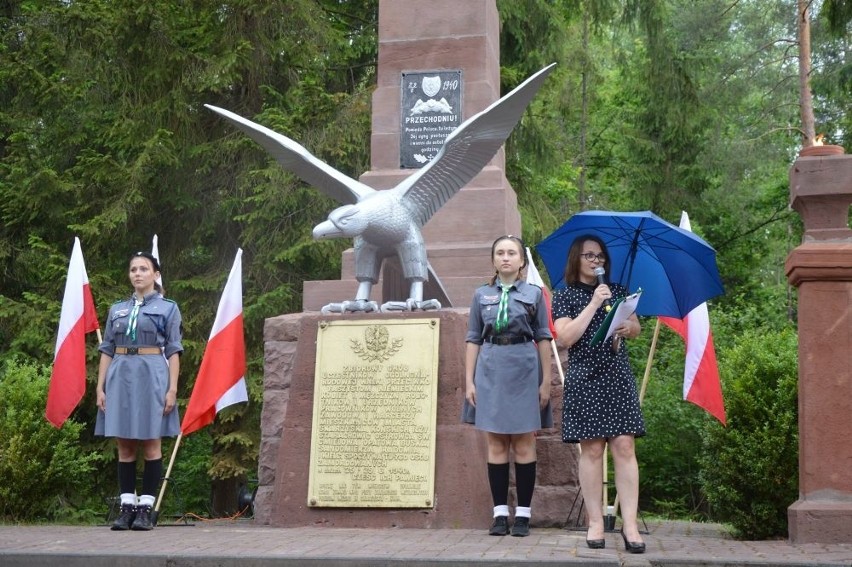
column 575, row 252
column 522, row 247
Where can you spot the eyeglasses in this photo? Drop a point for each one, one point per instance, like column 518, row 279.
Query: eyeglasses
column 591, row 257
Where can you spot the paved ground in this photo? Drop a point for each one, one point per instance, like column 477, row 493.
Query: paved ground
column 226, row 543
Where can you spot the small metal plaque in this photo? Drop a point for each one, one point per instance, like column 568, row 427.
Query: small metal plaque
column 375, row 410
column 431, row 110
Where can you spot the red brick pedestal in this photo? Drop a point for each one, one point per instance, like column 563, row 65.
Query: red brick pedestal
column 821, row 268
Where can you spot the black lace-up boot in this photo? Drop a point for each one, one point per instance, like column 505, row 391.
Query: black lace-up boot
column 143, row 519
column 125, row 519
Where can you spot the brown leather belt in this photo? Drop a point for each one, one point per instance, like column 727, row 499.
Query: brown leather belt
column 138, row 350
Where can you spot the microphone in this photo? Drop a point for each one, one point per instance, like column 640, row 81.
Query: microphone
column 600, row 273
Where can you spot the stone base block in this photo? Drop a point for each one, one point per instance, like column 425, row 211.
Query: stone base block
column 819, row 521
column 462, row 496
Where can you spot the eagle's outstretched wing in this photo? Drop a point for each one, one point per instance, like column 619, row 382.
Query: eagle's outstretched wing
column 467, row 150
column 294, row 157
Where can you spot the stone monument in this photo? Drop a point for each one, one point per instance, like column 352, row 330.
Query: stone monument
column 821, row 268
column 450, row 40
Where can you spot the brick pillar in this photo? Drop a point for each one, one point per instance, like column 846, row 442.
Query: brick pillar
column 821, row 269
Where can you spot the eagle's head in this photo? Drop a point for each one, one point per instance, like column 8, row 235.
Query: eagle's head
column 345, row 221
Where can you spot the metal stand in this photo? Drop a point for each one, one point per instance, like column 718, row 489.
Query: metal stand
column 180, row 519
column 609, row 519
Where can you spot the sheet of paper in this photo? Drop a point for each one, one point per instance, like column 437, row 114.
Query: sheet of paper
column 624, row 310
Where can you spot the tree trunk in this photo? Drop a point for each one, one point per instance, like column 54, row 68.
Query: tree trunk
column 584, row 116
column 806, row 105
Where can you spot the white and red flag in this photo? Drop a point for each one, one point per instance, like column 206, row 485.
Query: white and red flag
column 701, row 383
column 78, row 317
column 221, row 379
column 534, row 277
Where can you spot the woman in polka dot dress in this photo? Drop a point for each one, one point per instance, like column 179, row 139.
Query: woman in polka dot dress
column 600, row 401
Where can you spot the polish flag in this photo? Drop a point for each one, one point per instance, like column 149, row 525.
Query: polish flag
column 78, row 317
column 701, row 383
column 221, row 379
column 534, row 277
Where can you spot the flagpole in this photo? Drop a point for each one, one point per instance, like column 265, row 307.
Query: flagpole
column 651, row 352
column 558, row 362
column 166, row 479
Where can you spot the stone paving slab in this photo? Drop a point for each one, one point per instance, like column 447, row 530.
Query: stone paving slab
column 226, row 543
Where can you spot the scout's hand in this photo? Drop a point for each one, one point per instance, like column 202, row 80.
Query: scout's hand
column 470, row 395
column 170, row 402
column 101, row 400
column 543, row 394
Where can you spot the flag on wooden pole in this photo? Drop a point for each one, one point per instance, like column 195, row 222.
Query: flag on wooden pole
column 78, row 317
column 534, row 277
column 701, row 383
column 221, row 379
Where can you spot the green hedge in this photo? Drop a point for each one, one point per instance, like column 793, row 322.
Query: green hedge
column 750, row 468
column 44, row 472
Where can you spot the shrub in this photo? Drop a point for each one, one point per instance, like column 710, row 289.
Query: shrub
column 42, row 469
column 668, row 455
column 750, row 469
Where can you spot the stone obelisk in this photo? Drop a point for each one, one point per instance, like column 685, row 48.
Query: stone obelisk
column 439, row 35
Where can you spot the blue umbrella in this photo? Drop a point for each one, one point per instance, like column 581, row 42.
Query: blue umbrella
column 675, row 268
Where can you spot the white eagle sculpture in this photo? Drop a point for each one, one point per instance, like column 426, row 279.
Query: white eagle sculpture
column 388, row 222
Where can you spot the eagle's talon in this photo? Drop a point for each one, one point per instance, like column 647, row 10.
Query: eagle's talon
column 355, row 306
column 429, row 304
column 411, row 304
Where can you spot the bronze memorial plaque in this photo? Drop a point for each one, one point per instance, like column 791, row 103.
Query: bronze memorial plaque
column 375, row 409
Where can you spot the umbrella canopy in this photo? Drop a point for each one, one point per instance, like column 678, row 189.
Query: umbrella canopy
column 675, row 268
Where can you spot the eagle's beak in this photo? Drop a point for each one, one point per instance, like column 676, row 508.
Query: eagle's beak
column 326, row 229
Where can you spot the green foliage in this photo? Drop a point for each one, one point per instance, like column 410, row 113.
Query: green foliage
column 104, row 136
column 668, row 455
column 189, row 489
column 44, row 472
column 750, row 469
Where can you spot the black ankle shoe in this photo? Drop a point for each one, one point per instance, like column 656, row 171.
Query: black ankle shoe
column 500, row 526
column 521, row 527
column 633, row 546
column 143, row 519
column 596, row 543
column 125, row 518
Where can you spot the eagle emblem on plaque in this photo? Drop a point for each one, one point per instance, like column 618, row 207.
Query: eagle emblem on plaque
column 431, row 85
column 377, row 345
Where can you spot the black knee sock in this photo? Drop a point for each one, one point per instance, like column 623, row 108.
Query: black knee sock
column 151, row 476
column 498, row 478
column 525, row 482
column 127, row 477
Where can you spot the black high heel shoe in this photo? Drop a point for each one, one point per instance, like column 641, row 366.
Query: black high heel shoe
column 632, row 546
column 596, row 543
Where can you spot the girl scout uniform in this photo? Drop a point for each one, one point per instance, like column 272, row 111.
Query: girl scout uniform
column 508, row 369
column 137, row 379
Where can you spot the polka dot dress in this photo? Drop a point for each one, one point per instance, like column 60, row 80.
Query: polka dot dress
column 600, row 397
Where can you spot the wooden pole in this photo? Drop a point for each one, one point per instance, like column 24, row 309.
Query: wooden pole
column 166, row 478
column 558, row 362
column 648, row 364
